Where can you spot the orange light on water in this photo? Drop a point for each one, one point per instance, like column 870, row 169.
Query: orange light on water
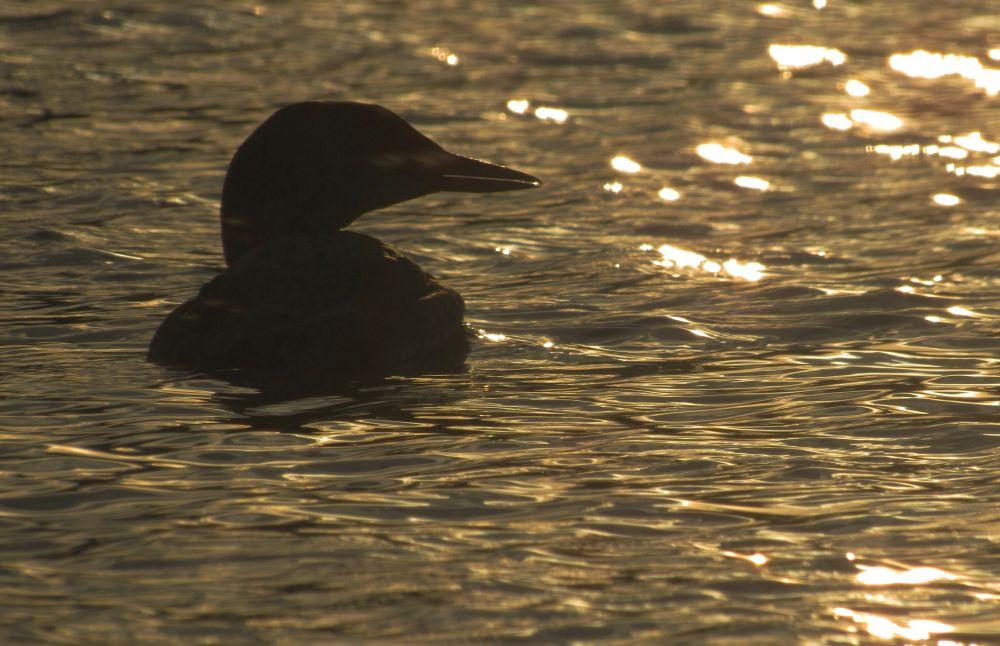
column 855, row 87
column 885, row 628
column 625, row 165
column 946, row 199
column 719, row 154
column 444, row 55
column 792, row 57
column 876, row 120
column 518, row 106
column 671, row 256
column 837, row 121
column 934, row 65
column 887, row 576
column 551, row 114
column 754, row 183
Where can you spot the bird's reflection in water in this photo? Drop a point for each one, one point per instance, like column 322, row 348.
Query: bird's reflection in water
column 284, row 388
column 390, row 400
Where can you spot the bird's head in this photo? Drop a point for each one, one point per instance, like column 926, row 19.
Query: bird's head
column 315, row 167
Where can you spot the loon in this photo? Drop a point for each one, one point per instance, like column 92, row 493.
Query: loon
column 301, row 296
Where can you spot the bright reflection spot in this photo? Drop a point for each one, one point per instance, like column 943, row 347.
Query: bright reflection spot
column 906, row 289
column 719, row 154
column 850, row 556
column 987, row 171
column 994, row 53
column 837, row 121
column 951, row 152
column 770, row 10
column 518, row 106
column 756, row 559
column 755, row 183
column 491, row 336
column 896, row 152
column 669, row 194
column 625, row 165
column 752, row 271
column 928, row 65
column 683, row 259
column 946, row 199
column 645, row 247
column 933, row 319
column 819, row 4
column 957, row 310
column 799, row 56
column 974, row 141
column 888, row 576
column 697, row 332
column 548, row 344
column 680, row 257
column 882, row 121
column 504, row 250
column 885, row 628
column 444, row 56
column 551, row 114
column 855, row 87
column 613, row 187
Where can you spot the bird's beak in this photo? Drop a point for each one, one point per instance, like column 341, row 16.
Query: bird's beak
column 463, row 174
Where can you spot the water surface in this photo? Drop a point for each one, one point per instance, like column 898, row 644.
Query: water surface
column 737, row 375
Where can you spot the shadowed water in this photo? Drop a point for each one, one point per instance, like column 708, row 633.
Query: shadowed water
column 709, row 402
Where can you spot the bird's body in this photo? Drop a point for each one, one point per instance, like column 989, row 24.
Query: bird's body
column 302, row 297
column 341, row 304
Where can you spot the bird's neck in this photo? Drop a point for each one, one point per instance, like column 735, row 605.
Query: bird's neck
column 245, row 229
column 258, row 209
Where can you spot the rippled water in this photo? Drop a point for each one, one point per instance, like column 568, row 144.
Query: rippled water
column 758, row 410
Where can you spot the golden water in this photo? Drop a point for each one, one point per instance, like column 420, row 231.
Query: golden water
column 737, row 377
